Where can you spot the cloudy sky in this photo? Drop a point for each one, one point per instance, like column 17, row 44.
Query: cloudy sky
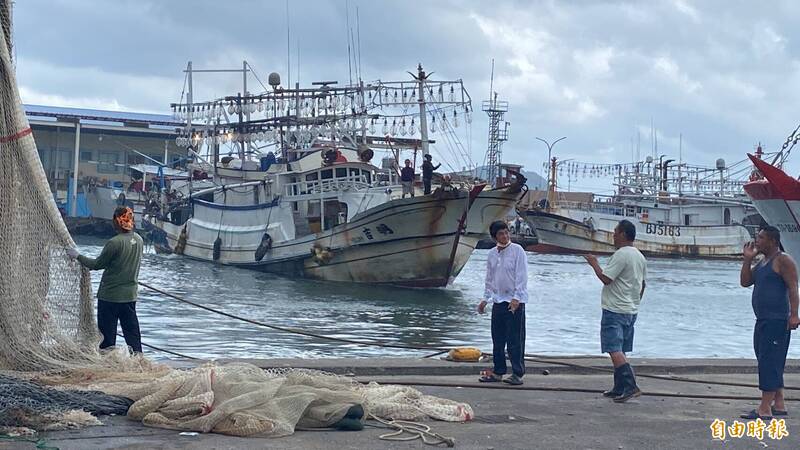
column 721, row 74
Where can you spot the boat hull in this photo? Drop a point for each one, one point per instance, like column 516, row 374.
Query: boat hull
column 560, row 234
column 411, row 242
column 777, row 199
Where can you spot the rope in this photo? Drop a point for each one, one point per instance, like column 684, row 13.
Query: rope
column 437, row 350
column 14, row 137
column 414, row 430
column 644, row 375
column 181, row 355
column 289, row 329
column 570, row 389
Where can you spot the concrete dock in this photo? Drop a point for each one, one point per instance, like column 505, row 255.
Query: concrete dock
column 562, row 409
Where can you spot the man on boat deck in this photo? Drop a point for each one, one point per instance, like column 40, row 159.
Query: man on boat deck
column 623, row 287
column 775, row 301
column 427, row 173
column 407, row 179
column 507, row 290
column 116, row 297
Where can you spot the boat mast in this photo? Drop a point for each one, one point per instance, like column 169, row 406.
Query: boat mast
column 423, row 118
column 551, row 188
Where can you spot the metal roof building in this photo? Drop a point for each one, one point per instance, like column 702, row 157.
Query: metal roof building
column 106, row 142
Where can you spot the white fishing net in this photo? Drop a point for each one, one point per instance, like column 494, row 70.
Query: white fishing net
column 54, row 376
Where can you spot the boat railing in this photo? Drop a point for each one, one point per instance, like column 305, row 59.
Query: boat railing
column 316, row 187
column 612, row 208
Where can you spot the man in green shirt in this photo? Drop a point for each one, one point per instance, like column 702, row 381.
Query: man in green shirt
column 116, row 297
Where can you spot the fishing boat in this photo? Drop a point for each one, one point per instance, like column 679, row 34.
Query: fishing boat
column 148, row 182
column 678, row 211
column 776, row 196
column 315, row 205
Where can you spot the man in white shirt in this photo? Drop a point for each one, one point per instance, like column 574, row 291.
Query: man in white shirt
column 623, row 287
column 507, row 290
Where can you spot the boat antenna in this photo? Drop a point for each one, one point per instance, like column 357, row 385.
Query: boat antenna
column 353, row 42
column 298, row 61
column 358, row 34
column 347, row 38
column 288, row 48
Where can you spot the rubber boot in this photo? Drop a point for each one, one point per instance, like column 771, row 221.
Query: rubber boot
column 629, row 387
column 616, row 391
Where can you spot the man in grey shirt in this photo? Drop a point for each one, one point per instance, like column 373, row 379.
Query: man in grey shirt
column 623, row 287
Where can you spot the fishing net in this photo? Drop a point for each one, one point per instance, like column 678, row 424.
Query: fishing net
column 54, row 376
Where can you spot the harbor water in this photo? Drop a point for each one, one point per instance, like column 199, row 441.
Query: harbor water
column 691, row 308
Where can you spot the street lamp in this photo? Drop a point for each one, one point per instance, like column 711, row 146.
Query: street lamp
column 549, row 152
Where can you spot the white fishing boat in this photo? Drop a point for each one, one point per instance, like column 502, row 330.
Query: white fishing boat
column 318, row 207
column 678, row 211
column 148, row 182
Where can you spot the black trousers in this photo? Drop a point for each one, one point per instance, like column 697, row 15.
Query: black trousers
column 508, row 330
column 108, row 314
column 426, row 184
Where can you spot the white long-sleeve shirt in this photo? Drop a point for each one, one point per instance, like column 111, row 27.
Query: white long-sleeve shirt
column 507, row 275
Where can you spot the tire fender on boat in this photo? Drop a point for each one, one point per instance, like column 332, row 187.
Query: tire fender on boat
column 264, row 246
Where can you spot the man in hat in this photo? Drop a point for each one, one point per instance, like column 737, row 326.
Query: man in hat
column 116, row 297
column 427, row 173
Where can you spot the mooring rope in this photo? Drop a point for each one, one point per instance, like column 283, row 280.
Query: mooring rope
column 293, row 330
column 542, row 359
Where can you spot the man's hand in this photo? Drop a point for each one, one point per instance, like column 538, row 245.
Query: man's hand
column 72, row 253
column 794, row 322
column 591, row 259
column 749, row 251
column 513, row 305
column 482, row 307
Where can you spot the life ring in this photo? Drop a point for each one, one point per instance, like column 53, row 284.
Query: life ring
column 264, row 246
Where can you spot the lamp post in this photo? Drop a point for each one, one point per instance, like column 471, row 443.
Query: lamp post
column 549, row 152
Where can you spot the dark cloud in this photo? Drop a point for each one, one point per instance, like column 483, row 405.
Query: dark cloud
column 718, row 73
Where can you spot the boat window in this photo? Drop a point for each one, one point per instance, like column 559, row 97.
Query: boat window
column 686, row 220
column 367, row 176
column 312, row 176
column 727, row 216
column 353, row 172
column 327, row 174
column 341, row 172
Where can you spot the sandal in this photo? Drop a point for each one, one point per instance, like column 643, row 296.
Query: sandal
column 513, row 380
column 753, row 415
column 778, row 412
column 492, row 378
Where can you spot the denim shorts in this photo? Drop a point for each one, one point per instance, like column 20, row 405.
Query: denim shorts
column 616, row 332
